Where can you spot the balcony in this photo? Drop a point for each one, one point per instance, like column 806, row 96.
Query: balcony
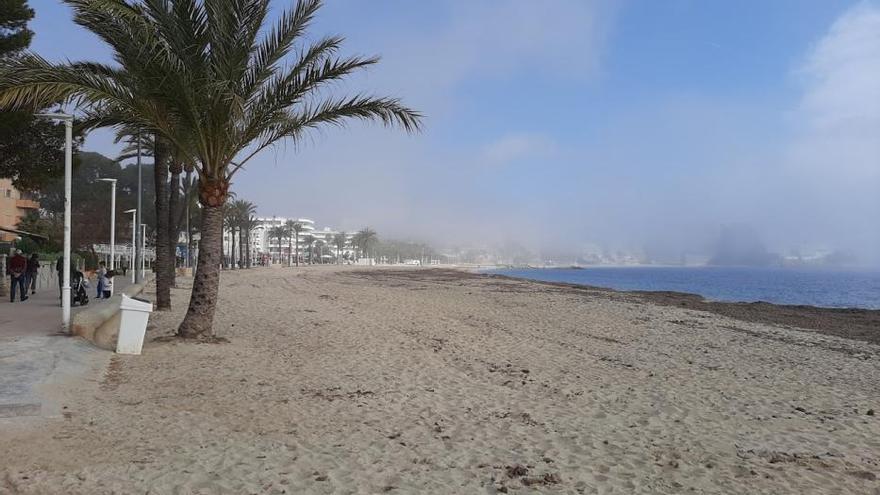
column 27, row 204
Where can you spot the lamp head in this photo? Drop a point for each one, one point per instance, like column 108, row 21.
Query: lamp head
column 107, row 180
column 55, row 116
column 133, row 210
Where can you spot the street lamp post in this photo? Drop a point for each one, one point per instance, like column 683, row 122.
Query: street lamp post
column 68, row 180
column 133, row 212
column 143, row 251
column 112, row 226
column 139, row 252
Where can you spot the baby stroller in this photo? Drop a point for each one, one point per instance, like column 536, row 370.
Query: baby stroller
column 78, row 285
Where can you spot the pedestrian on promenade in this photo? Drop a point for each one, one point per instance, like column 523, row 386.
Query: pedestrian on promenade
column 18, row 272
column 33, row 269
column 59, row 267
column 108, row 283
column 101, row 274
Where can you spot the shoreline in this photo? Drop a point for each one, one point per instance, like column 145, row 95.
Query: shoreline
column 852, row 323
column 489, row 271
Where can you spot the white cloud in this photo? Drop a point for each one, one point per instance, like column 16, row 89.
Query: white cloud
column 834, row 158
column 839, row 113
column 481, row 41
column 843, row 74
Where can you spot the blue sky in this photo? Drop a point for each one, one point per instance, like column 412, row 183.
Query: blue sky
column 613, row 123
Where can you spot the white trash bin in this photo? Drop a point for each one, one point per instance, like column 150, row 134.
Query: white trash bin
column 132, row 324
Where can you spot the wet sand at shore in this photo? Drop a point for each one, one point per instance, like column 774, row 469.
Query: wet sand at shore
column 850, row 323
column 350, row 380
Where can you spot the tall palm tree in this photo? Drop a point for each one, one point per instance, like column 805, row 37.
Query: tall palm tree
column 309, row 239
column 208, row 78
column 242, row 211
column 366, row 237
column 291, row 233
column 278, row 233
column 340, row 240
column 319, row 245
column 296, row 228
column 190, row 214
column 136, row 142
column 249, row 225
column 230, row 222
column 328, row 241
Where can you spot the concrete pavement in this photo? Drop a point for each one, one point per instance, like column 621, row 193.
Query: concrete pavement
column 36, row 358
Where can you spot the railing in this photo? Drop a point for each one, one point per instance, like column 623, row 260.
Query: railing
column 47, row 278
column 123, row 250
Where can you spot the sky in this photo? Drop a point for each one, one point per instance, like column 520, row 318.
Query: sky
column 622, row 124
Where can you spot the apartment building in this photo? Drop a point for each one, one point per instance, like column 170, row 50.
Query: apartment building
column 14, row 205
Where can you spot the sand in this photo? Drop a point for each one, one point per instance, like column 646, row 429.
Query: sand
column 347, row 380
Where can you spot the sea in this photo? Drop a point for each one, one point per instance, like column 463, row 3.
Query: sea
column 830, row 288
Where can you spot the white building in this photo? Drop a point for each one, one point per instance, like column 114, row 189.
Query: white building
column 262, row 244
column 266, row 247
column 329, row 250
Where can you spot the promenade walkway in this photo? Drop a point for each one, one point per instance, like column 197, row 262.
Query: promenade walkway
column 35, row 356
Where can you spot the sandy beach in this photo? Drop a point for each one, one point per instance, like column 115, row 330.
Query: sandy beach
column 348, row 380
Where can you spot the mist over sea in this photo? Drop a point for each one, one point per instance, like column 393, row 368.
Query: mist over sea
column 815, row 287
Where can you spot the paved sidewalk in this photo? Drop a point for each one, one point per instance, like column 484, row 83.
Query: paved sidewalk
column 34, row 369
column 36, row 358
column 41, row 313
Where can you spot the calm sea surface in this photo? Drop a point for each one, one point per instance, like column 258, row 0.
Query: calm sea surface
column 815, row 287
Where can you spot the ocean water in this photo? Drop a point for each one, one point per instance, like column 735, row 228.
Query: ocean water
column 814, row 287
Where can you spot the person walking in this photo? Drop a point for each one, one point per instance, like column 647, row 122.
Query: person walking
column 18, row 272
column 33, row 269
column 100, row 275
column 59, row 267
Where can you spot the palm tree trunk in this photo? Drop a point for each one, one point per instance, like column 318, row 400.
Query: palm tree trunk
column 297, row 249
column 186, row 201
column 232, row 248
column 199, row 318
column 241, row 247
column 160, row 169
column 289, row 250
column 173, row 223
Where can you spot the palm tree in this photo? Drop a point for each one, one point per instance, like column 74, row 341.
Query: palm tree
column 278, row 232
column 145, row 143
column 241, row 212
column 340, row 240
column 290, row 228
column 190, row 214
column 319, row 245
column 310, row 241
column 296, row 228
column 207, row 77
column 328, row 241
column 230, row 222
column 249, row 224
column 366, row 237
column 137, row 142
